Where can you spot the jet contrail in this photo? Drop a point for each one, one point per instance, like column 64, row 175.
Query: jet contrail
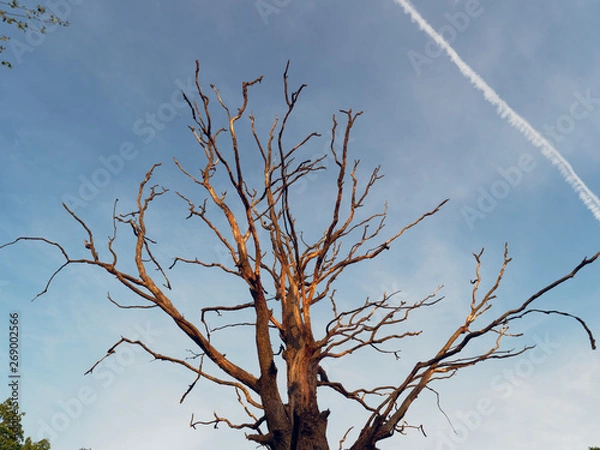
column 506, row 112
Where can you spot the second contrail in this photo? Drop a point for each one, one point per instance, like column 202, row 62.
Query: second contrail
column 506, row 112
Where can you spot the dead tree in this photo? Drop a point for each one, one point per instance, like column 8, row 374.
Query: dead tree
column 298, row 274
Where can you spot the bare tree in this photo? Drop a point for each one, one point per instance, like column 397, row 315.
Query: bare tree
column 287, row 276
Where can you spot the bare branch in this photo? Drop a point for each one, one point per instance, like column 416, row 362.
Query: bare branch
column 129, row 306
column 343, row 439
column 562, row 313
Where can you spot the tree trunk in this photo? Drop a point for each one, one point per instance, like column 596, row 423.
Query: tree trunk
column 308, row 424
column 310, row 431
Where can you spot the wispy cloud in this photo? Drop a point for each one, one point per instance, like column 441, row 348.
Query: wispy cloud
column 506, row 112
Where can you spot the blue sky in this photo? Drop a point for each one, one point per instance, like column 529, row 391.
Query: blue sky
column 109, row 85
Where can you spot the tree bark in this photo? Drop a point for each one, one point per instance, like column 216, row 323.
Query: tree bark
column 308, row 424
